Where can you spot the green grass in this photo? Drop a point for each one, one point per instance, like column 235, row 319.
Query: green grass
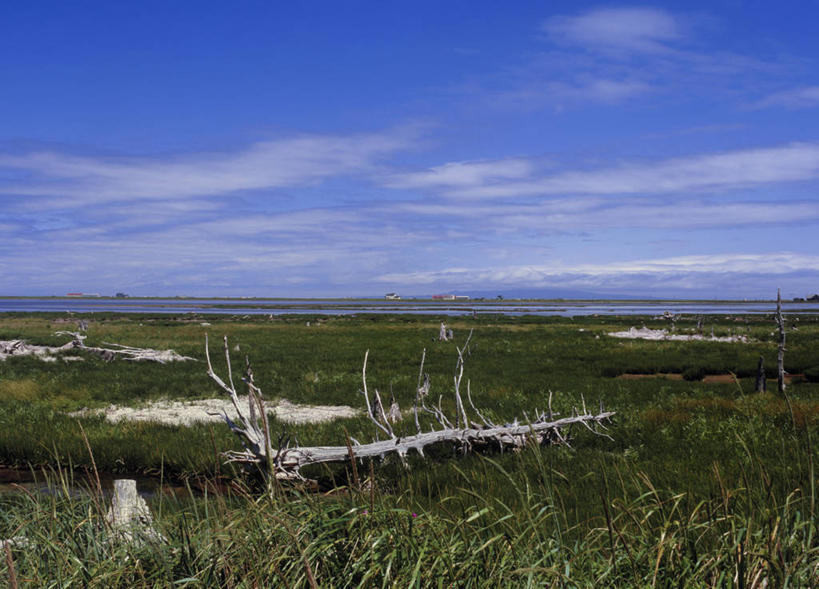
column 704, row 484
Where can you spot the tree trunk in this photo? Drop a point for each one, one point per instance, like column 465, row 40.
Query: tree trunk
column 780, row 355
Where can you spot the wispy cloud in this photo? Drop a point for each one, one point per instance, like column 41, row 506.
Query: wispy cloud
column 584, row 214
column 804, row 97
column 724, row 171
column 264, row 165
column 622, row 29
column 599, row 274
column 463, row 174
column 612, row 55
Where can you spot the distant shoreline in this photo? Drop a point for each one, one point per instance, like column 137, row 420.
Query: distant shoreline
column 408, row 300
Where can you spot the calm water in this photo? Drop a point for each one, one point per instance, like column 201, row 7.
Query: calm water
column 418, row 307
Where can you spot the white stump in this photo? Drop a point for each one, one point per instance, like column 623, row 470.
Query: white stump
column 129, row 515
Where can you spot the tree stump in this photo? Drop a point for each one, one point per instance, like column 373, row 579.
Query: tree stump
column 129, row 516
column 761, row 383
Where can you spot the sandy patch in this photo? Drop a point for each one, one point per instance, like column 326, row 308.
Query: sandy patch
column 211, row 410
column 663, row 335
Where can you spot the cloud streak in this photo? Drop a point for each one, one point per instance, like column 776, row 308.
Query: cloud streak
column 794, row 98
column 721, row 171
column 263, row 165
column 621, row 29
column 558, row 273
column 584, row 214
column 463, row 174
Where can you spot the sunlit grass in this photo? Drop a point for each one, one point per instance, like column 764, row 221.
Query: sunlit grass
column 704, row 484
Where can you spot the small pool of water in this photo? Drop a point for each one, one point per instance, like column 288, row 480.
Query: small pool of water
column 79, row 483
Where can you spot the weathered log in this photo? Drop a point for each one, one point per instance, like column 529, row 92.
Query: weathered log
column 285, row 462
column 124, row 352
column 48, row 353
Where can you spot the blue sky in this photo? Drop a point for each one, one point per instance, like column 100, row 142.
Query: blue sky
column 357, row 148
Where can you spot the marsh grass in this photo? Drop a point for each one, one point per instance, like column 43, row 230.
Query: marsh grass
column 705, row 484
column 513, row 523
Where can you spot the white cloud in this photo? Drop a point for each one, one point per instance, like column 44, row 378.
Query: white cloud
column 727, row 170
column 583, row 214
column 805, row 97
column 575, row 89
column 631, row 29
column 463, row 174
column 546, row 275
column 264, row 165
column 614, row 55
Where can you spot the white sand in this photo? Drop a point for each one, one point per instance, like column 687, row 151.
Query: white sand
column 211, row 410
column 664, row 335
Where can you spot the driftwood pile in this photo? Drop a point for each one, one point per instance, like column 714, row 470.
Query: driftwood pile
column 284, row 462
column 77, row 343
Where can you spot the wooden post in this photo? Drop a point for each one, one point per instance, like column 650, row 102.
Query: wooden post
column 780, row 355
column 761, row 383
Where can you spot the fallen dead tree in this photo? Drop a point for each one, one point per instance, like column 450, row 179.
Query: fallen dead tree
column 125, row 352
column 77, row 343
column 18, row 347
column 284, row 462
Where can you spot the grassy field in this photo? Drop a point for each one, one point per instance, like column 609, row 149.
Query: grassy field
column 705, row 483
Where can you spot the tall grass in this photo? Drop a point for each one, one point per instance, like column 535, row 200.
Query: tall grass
column 747, row 533
column 705, row 484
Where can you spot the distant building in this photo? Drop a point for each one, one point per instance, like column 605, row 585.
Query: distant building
column 392, row 296
column 443, row 297
column 121, row 295
column 461, row 297
column 74, row 294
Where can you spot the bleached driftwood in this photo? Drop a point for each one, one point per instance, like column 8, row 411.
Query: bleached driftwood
column 647, row 333
column 129, row 516
column 126, row 352
column 18, row 347
column 22, row 348
column 445, row 334
column 780, row 355
column 284, row 462
column 394, row 414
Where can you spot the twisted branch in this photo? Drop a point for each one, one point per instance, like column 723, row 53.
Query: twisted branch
column 285, row 462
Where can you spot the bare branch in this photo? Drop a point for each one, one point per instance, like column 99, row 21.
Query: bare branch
column 285, row 462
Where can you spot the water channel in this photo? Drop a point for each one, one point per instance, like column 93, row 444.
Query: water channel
column 567, row 308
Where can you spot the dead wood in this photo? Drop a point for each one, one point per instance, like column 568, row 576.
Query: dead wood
column 445, row 334
column 284, row 461
column 761, row 382
column 780, row 355
column 22, row 348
